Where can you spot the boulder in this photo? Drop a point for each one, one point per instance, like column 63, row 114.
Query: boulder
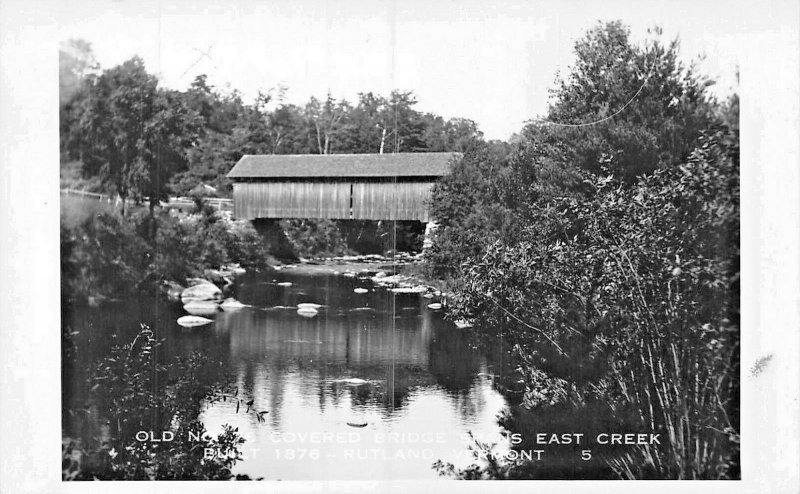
column 409, row 289
column 192, row 321
column 197, row 281
column 307, row 312
column 201, row 292
column 201, row 308
column 232, row 304
column 214, row 275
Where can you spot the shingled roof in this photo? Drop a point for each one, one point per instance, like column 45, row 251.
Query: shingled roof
column 342, row 165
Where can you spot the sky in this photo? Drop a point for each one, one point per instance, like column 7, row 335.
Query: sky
column 492, row 62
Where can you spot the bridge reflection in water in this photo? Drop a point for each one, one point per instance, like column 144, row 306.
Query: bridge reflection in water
column 379, row 358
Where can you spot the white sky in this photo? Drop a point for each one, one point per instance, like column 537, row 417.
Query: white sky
column 489, row 61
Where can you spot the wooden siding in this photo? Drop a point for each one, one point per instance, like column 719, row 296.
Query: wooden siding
column 291, row 200
column 373, row 200
column 391, row 200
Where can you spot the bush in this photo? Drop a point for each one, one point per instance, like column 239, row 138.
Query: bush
column 103, row 255
column 131, row 391
column 310, row 238
column 111, row 256
column 632, row 295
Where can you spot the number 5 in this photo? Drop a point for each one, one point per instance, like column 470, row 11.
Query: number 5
column 586, row 454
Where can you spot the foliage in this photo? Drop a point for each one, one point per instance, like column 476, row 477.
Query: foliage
column 315, row 237
column 142, row 140
column 632, row 295
column 379, row 237
column 667, row 105
column 486, row 197
column 129, row 137
column 131, row 391
column 110, row 256
column 493, row 192
column 103, row 255
column 72, row 177
column 131, row 133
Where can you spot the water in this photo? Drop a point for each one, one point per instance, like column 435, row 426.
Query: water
column 375, row 386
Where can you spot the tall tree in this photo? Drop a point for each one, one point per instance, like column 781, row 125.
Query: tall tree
column 626, row 108
column 325, row 120
column 403, row 124
column 132, row 133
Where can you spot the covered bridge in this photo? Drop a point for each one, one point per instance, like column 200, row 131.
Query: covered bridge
column 337, row 186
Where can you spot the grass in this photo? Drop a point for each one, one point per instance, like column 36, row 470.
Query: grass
column 75, row 209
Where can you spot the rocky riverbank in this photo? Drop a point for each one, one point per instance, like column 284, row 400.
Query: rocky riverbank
column 399, row 273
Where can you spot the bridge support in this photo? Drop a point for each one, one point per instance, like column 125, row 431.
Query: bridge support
column 430, row 229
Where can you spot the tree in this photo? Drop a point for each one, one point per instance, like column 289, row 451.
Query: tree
column 220, row 111
column 403, row 124
column 131, row 133
column 456, row 134
column 610, row 267
column 631, row 297
column 627, row 109
column 325, row 119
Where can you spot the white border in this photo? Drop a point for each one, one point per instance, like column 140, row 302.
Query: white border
column 29, row 272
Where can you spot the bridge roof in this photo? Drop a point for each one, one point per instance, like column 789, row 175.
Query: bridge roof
column 342, row 165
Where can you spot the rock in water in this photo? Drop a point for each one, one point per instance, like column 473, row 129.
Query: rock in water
column 285, row 283
column 214, row 275
column 360, row 290
column 193, row 321
column 307, row 312
column 201, row 292
column 231, row 270
column 405, row 289
column 231, row 304
column 435, row 306
column 201, row 308
column 354, row 381
column 197, row 281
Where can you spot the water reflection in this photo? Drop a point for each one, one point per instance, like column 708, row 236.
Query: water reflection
column 375, row 358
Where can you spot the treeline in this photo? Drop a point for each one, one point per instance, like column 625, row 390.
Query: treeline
column 123, row 133
column 603, row 251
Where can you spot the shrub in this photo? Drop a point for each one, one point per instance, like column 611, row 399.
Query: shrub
column 131, row 391
column 632, row 295
column 311, row 238
column 114, row 257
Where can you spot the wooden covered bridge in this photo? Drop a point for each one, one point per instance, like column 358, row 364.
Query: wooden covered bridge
column 337, row 186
